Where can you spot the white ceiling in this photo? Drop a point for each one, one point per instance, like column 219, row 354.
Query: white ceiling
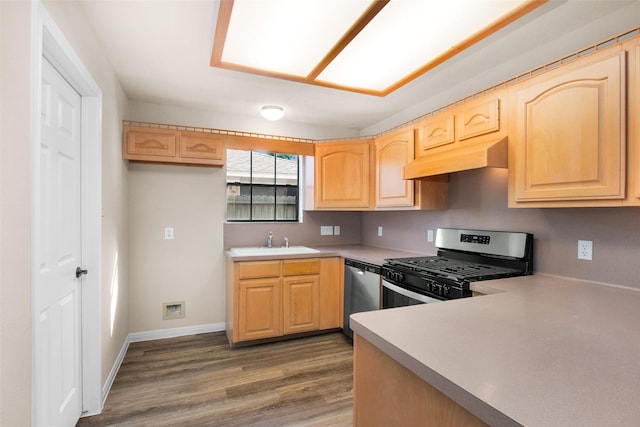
column 160, row 51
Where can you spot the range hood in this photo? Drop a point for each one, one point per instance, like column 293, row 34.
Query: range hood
column 464, row 157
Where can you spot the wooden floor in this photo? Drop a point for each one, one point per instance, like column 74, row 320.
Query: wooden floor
column 199, row 381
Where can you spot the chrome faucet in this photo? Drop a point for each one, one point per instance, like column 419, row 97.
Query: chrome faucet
column 270, row 240
column 286, row 242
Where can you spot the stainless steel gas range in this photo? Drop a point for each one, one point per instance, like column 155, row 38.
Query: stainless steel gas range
column 464, row 256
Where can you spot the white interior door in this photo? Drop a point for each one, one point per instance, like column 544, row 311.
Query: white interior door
column 57, row 291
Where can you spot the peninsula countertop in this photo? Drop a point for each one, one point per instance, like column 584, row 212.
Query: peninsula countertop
column 537, row 351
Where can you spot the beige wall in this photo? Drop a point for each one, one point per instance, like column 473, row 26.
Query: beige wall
column 15, row 214
column 189, row 268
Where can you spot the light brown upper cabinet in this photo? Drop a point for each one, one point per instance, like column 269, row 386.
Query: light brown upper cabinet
column 343, row 175
column 469, row 120
column 436, row 131
column 568, row 145
column 469, row 135
column 478, row 118
column 633, row 121
column 393, row 152
column 172, row 146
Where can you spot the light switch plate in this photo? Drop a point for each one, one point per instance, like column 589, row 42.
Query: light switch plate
column 168, row 233
column 429, row 235
column 379, row 231
column 326, row 230
column 336, row 230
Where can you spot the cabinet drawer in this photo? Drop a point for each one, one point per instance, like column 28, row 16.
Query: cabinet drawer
column 296, row 267
column 197, row 145
column 257, row 269
column 158, row 142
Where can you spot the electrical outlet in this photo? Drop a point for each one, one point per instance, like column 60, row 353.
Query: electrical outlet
column 336, row 230
column 585, row 249
column 326, row 230
column 168, row 233
column 429, row 235
column 379, row 231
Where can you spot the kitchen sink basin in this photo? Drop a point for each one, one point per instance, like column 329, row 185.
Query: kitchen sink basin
column 265, row 251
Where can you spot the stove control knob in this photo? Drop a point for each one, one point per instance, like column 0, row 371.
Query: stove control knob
column 446, row 290
column 435, row 288
column 398, row 277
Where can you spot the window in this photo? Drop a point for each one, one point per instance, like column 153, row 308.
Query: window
column 262, row 186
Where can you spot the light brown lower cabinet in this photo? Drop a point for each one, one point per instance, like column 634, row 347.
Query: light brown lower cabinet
column 269, row 299
column 259, row 302
column 300, row 304
column 388, row 394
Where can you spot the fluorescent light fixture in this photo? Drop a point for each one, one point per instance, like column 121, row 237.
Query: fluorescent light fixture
column 272, row 112
column 366, row 46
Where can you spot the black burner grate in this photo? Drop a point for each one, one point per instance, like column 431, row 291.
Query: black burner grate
column 461, row 270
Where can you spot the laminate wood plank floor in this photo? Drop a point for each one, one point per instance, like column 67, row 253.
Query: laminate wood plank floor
column 199, row 381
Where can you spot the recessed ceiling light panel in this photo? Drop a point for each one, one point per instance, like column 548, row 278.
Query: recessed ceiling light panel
column 407, row 34
column 367, row 46
column 287, row 36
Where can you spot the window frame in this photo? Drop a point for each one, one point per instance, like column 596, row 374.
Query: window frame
column 275, row 186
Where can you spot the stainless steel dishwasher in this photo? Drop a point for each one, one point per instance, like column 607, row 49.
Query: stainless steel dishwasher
column 361, row 290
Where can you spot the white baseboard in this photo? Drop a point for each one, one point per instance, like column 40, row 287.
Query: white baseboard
column 153, row 335
column 114, row 371
column 175, row 332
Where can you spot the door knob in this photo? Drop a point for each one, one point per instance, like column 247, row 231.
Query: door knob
column 80, row 272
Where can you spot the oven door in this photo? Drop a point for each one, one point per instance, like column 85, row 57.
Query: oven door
column 397, row 296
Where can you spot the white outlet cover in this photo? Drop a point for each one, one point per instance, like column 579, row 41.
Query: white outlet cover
column 336, row 230
column 326, row 230
column 429, row 235
column 379, row 231
column 585, row 249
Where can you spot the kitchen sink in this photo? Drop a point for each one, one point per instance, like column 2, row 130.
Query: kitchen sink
column 265, row 251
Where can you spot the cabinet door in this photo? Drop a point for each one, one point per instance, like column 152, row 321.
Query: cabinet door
column 150, row 144
column 633, row 121
column 343, row 175
column 478, row 119
column 393, row 152
column 436, row 131
column 301, row 307
column 198, row 147
column 331, row 292
column 569, row 139
column 259, row 309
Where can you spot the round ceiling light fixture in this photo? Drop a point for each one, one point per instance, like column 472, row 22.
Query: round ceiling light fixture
column 272, row 112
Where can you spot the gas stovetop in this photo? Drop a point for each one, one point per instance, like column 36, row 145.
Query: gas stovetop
column 453, row 269
column 464, row 256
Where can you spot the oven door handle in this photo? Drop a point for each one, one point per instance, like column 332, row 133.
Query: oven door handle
column 409, row 294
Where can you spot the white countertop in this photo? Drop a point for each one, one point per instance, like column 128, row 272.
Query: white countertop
column 539, row 351
column 370, row 254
